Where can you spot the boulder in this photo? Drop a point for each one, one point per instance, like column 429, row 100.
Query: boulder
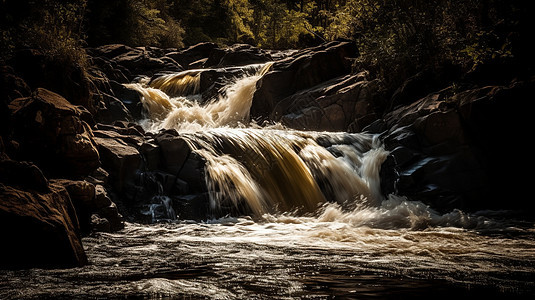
column 237, row 55
column 68, row 79
column 54, row 134
column 23, row 175
column 39, row 228
column 112, row 109
column 303, row 70
column 447, row 147
column 332, row 106
column 119, row 159
column 188, row 57
column 174, row 149
column 82, row 194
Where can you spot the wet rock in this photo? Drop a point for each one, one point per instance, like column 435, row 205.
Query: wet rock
column 111, row 213
column 446, row 147
column 112, row 109
column 174, row 149
column 39, row 229
column 101, row 198
column 100, row 224
column 130, row 98
column 54, row 134
column 151, row 155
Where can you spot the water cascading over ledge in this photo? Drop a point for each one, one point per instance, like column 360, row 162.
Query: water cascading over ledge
column 255, row 170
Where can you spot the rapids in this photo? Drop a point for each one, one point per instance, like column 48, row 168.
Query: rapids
column 308, row 220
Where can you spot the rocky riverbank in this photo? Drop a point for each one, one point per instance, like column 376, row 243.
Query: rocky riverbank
column 73, row 159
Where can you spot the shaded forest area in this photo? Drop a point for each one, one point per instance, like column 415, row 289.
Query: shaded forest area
column 396, row 38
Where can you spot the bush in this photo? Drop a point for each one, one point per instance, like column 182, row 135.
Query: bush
column 53, row 27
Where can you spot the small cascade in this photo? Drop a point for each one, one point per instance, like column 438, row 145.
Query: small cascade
column 184, row 112
column 161, row 209
column 179, row 84
column 275, row 171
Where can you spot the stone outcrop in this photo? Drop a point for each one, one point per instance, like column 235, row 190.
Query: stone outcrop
column 38, row 222
column 300, row 71
column 54, row 133
column 454, row 150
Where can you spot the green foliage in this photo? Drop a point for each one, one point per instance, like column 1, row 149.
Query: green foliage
column 132, row 22
column 402, row 36
column 53, row 27
column 395, row 37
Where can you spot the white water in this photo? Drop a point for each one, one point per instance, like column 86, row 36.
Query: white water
column 317, row 225
column 272, row 169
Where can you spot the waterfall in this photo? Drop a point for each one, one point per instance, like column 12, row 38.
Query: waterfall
column 262, row 170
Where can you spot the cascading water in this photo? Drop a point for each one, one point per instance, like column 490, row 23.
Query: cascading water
column 270, row 170
column 306, row 219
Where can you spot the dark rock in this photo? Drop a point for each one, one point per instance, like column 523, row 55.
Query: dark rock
column 130, row 98
column 174, row 149
column 112, row 109
column 70, row 80
column 39, row 229
column 101, row 198
column 151, row 155
column 119, row 159
column 237, row 55
column 82, row 194
column 333, row 106
column 304, row 70
column 447, row 152
column 100, row 224
column 189, row 56
column 51, row 133
column 11, row 85
column 23, row 175
column 111, row 214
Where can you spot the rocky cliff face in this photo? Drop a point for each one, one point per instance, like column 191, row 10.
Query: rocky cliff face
column 73, row 162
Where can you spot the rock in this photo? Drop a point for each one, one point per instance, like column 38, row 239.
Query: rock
column 332, row 106
column 52, row 134
column 111, row 214
column 112, row 109
column 39, row 229
column 130, row 98
column 70, row 80
column 82, row 194
column 100, row 224
column 119, row 159
column 23, row 175
column 102, row 199
column 189, row 56
column 174, row 149
column 237, row 55
column 11, row 85
column 151, row 155
column 303, row 70
column 447, row 147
